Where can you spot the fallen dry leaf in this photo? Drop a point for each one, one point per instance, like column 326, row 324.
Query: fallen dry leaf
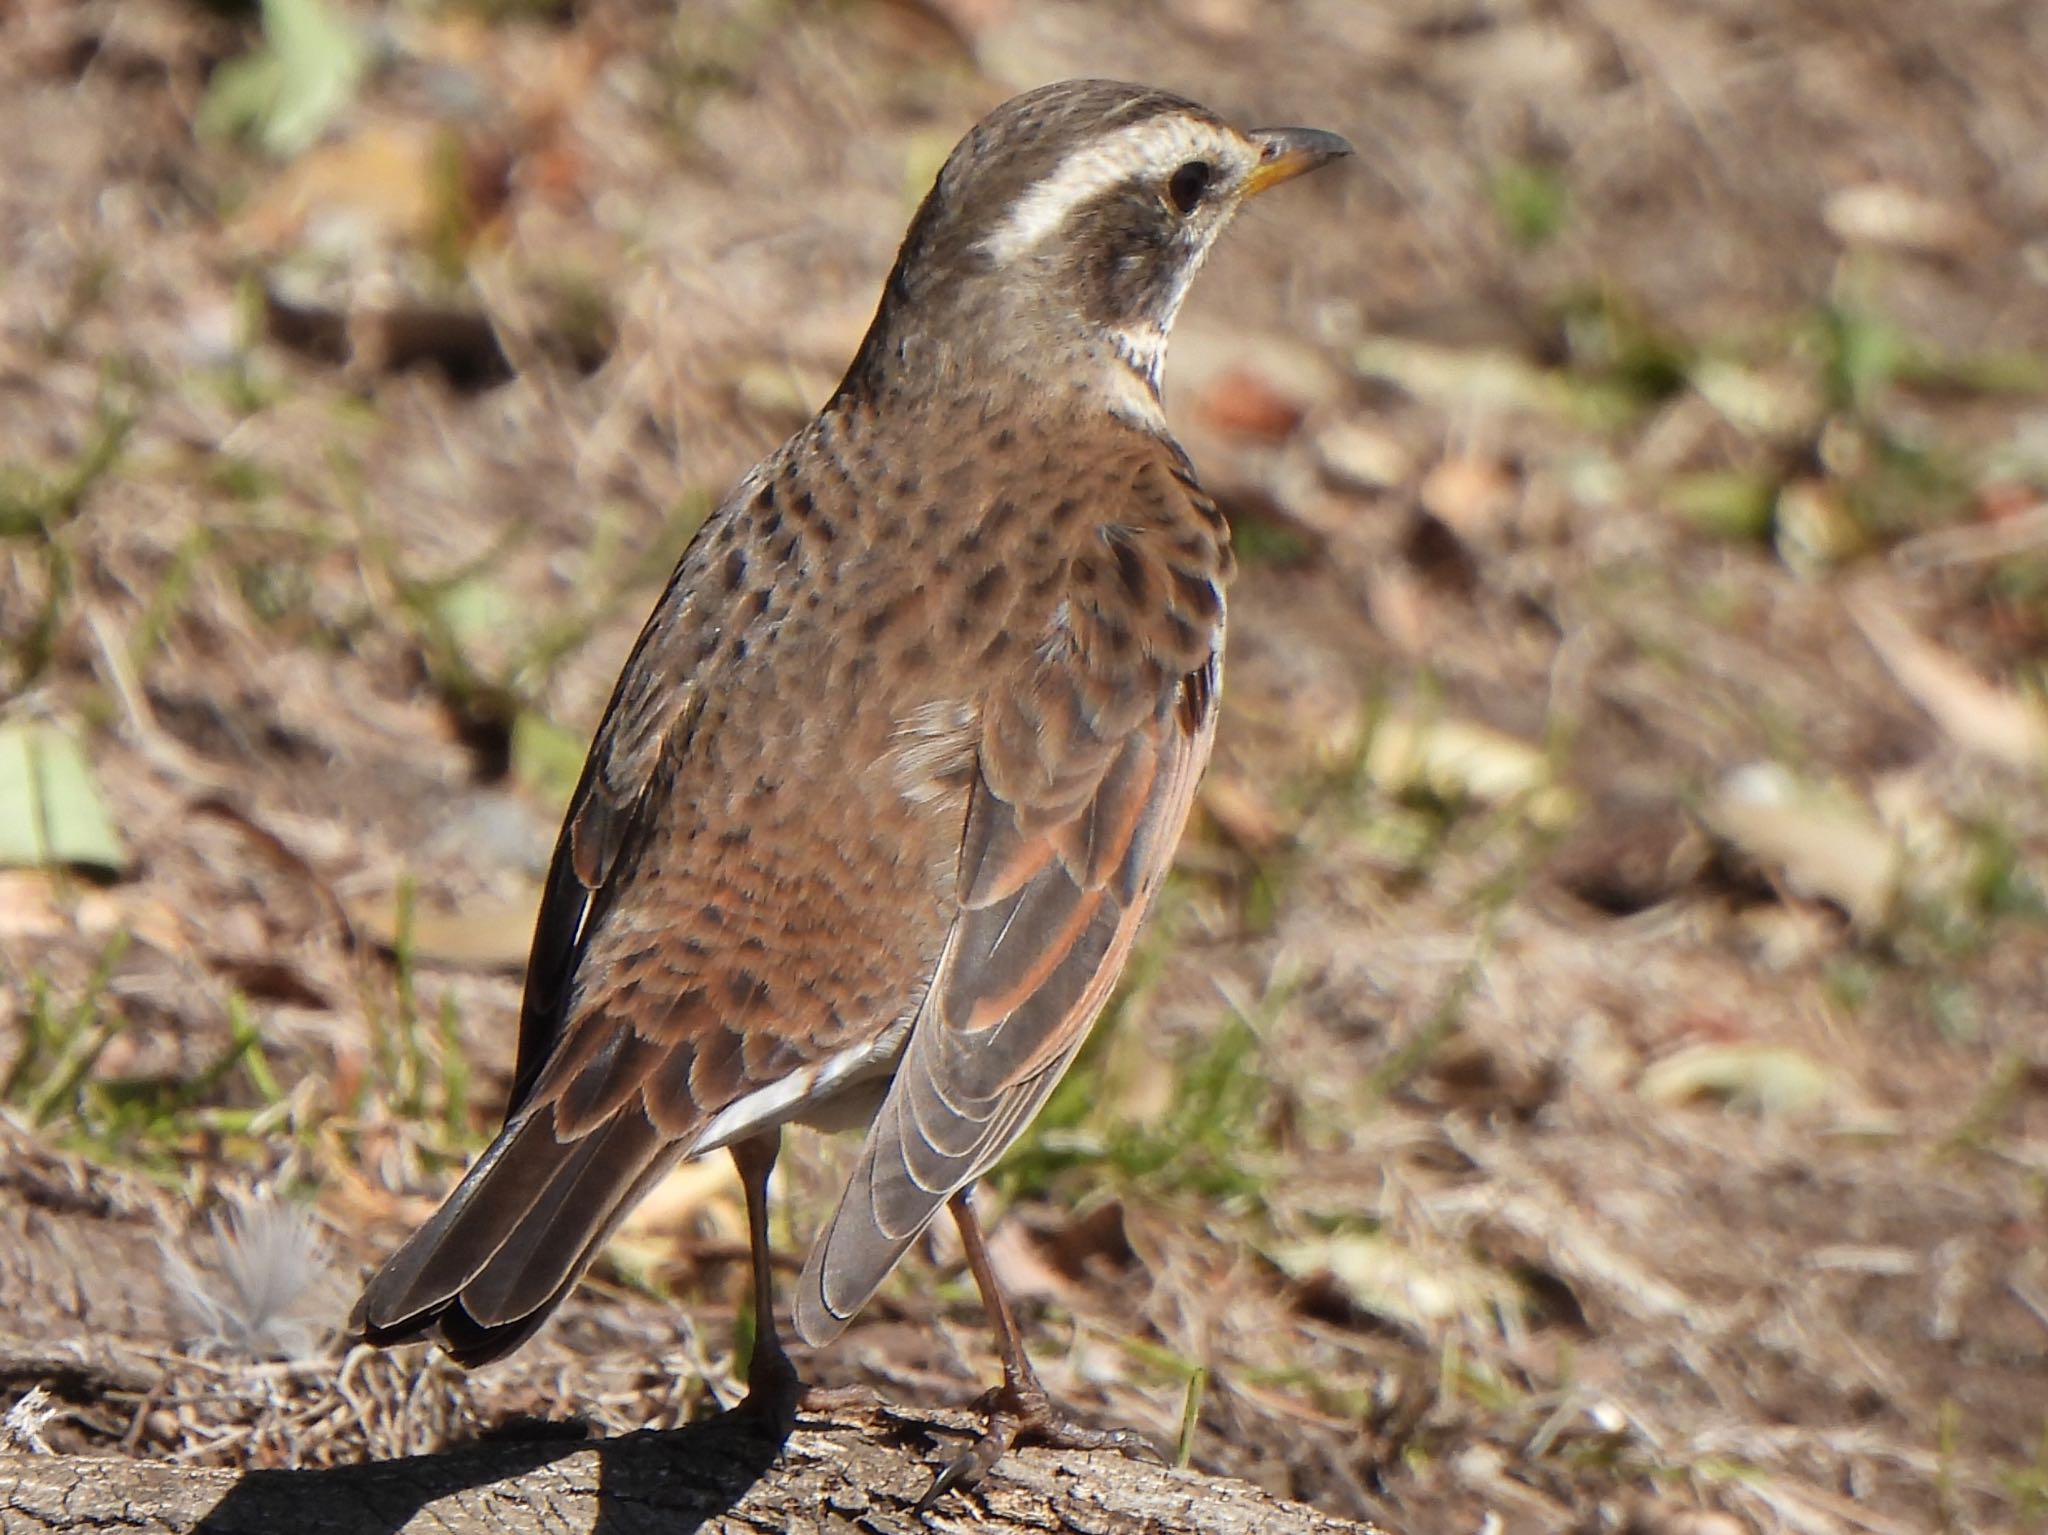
column 707, row 1189
column 1461, row 757
column 378, row 187
column 1244, row 404
column 1822, row 843
column 1471, row 495
column 1773, row 1081
column 1813, row 530
column 483, row 932
column 29, row 907
column 1392, row 1279
column 1897, row 218
column 1362, row 457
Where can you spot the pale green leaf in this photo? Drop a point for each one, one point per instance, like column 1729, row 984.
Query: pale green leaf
column 1773, row 1081
column 50, row 808
column 476, row 607
column 286, row 93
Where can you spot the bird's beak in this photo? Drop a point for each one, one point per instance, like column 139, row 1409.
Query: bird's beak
column 1285, row 153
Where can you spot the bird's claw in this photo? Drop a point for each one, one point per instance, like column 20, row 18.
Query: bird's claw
column 969, row 1466
column 1034, row 1420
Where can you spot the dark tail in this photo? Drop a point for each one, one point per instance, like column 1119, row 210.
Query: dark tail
column 517, row 1233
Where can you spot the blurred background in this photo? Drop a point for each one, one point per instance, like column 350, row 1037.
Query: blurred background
column 1586, row 1071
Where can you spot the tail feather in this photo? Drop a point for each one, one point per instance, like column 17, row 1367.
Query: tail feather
column 548, row 1244
column 436, row 1260
column 519, row 1230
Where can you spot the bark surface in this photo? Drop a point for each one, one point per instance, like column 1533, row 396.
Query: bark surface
column 844, row 1473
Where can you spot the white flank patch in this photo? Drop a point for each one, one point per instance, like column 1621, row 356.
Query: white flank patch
column 780, row 1102
column 1158, row 147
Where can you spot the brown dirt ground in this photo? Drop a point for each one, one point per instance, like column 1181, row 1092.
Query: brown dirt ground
column 1543, row 1132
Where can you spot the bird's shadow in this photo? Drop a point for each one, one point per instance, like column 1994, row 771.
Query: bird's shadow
column 671, row 1481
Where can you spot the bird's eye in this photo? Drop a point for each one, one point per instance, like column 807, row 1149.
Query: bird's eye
column 1186, row 186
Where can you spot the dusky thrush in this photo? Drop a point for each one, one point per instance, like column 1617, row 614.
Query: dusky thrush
column 898, row 762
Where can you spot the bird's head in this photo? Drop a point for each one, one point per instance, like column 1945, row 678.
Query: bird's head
column 1064, row 230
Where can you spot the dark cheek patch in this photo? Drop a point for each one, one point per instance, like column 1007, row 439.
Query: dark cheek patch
column 1124, row 253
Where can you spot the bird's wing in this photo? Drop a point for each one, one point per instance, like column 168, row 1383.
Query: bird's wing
column 648, row 721
column 1086, row 771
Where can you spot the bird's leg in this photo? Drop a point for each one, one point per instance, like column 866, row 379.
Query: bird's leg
column 1019, row 1407
column 771, row 1378
column 773, row 1387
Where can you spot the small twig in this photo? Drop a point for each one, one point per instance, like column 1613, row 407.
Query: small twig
column 1974, row 543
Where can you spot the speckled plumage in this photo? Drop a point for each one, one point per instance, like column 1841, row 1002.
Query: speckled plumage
column 899, row 760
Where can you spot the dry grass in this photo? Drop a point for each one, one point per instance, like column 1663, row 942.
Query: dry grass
column 1525, row 1103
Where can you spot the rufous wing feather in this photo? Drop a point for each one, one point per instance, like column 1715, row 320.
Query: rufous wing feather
column 1049, row 907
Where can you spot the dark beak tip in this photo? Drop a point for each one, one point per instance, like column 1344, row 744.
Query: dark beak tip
column 1312, row 144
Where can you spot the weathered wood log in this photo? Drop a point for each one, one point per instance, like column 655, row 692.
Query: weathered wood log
column 854, row 1472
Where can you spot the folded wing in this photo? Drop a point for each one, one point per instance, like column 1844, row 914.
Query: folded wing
column 1080, row 798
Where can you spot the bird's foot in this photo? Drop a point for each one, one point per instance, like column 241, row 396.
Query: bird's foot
column 1027, row 1415
column 774, row 1390
column 778, row 1396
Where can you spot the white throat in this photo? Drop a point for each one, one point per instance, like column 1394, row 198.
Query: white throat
column 1136, row 391
column 1143, row 350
